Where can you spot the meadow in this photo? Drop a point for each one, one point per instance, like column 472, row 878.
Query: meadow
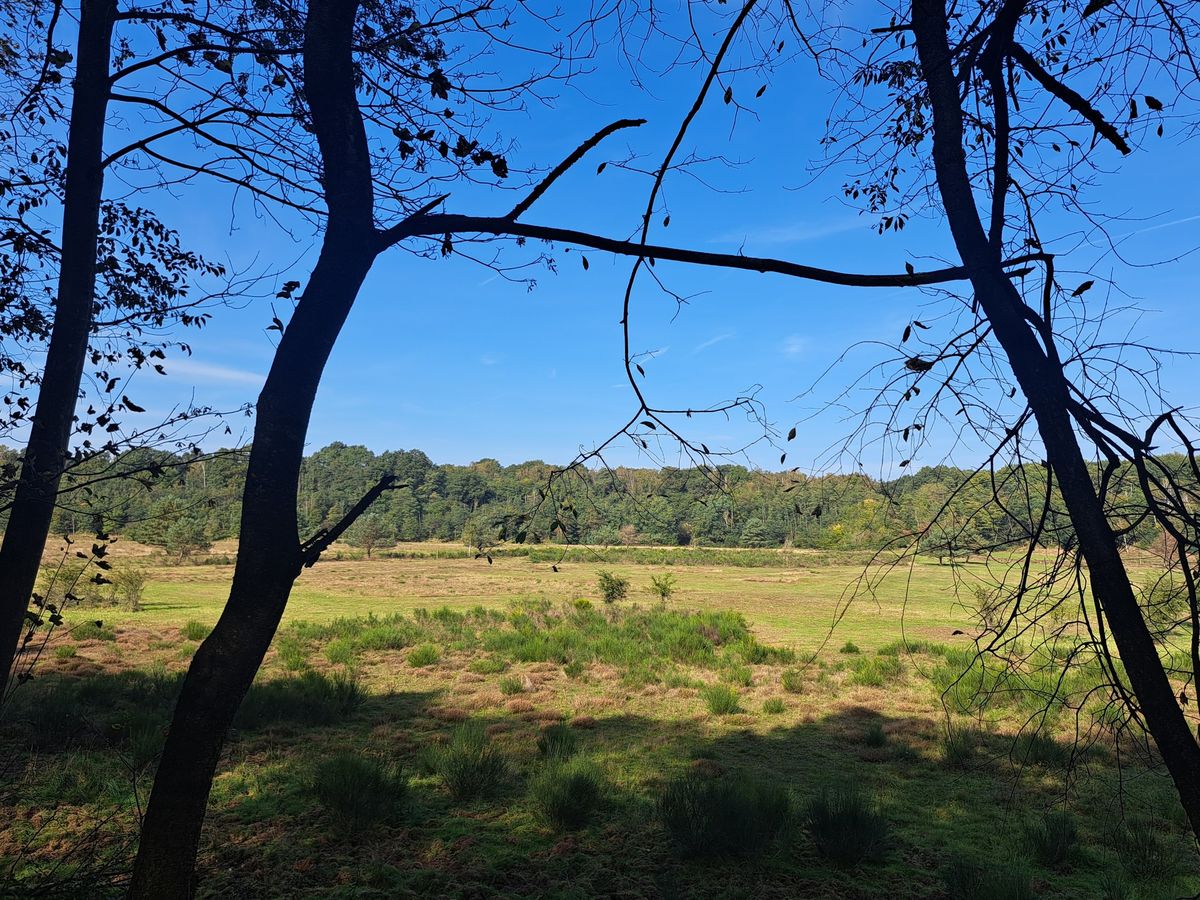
column 440, row 725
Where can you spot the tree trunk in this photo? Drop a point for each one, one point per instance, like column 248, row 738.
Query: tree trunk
column 269, row 555
column 1045, row 386
column 50, row 429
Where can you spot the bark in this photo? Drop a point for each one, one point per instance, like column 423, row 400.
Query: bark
column 269, row 554
column 1046, row 388
column 50, row 428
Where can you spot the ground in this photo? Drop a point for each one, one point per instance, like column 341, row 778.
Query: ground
column 366, row 663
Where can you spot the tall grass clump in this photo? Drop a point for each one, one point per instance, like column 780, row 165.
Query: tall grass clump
column 721, row 699
column 773, row 706
column 847, row 828
column 958, row 747
column 566, row 794
column 876, row 671
column 1053, row 839
column 968, row 880
column 1149, row 853
column 712, row 817
column 1035, row 748
column 467, row 764
column 557, row 741
column 424, row 655
column 793, row 681
column 358, row 790
column 312, row 698
column 196, row 631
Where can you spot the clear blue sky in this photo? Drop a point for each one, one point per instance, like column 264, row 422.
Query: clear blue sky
column 446, row 357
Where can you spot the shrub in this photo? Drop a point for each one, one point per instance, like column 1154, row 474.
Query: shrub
column 64, row 651
column 793, row 681
column 876, row 671
column 467, row 763
column 1053, row 839
column 313, row 698
column 958, row 747
column 967, row 880
column 340, row 651
column 875, row 736
column 739, row 674
column 574, row 669
column 489, row 665
column 846, row 828
column 195, row 631
column 720, row 816
column 721, row 699
column 92, row 631
column 1037, row 748
column 566, row 794
column 557, row 741
column 358, row 790
column 129, row 584
column 849, row 647
column 774, row 706
column 662, row 586
column 424, row 655
column 510, row 685
column 1148, row 853
column 292, row 653
column 612, row 587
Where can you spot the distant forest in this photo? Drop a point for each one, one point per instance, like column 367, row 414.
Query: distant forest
column 184, row 506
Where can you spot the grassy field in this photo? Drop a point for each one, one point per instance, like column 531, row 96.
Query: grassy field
column 449, row 727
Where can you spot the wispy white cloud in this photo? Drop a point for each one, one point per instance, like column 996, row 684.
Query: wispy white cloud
column 712, row 341
column 1170, row 224
column 489, row 359
column 795, row 345
column 210, row 372
column 652, row 354
column 787, row 234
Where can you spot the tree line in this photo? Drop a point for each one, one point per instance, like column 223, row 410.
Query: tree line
column 185, row 506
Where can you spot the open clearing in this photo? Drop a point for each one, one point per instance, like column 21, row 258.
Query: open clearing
column 649, row 694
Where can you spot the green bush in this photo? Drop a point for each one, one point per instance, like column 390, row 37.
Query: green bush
column 196, row 631
column 1148, row 853
column 662, row 586
column 722, row 816
column 876, row 671
column 958, row 747
column 1053, row 839
column 424, row 655
column 340, row 651
column 967, row 880
column 846, row 828
column 875, row 736
column 566, row 794
column 510, row 685
column 358, row 790
column 467, row 764
column 65, row 651
column 612, row 587
column 738, row 674
column 574, row 669
column 292, row 652
column 774, row 706
column 312, row 698
column 488, row 665
column 557, row 741
column 793, row 681
column 92, row 631
column 849, row 647
column 721, row 699
column 1036, row 748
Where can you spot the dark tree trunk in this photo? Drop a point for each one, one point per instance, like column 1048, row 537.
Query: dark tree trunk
column 1045, row 386
column 269, row 552
column 50, row 428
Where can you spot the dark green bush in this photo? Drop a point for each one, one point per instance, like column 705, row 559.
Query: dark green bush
column 774, row 706
column 312, row 698
column 849, row 647
column 467, row 764
column 196, row 631
column 557, row 741
column 566, row 794
column 847, row 828
column 358, row 790
column 721, row 699
column 709, row 817
column 92, row 631
column 612, row 587
column 1035, row 748
column 424, row 655
column 1147, row 852
column 1053, row 839
column 968, row 880
column 875, row 736
column 793, row 681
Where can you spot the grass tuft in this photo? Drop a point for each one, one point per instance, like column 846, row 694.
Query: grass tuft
column 721, row 699
column 358, row 790
column 467, row 764
column 712, row 817
column 1053, row 839
column 968, row 880
column 847, row 828
column 196, row 631
column 566, row 794
column 557, row 741
column 773, row 706
column 424, row 655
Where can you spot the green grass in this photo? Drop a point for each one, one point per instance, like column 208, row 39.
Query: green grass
column 195, row 631
column 358, row 790
column 721, row 699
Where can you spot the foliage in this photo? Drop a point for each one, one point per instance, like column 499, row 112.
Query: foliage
column 793, row 681
column 195, row 631
column 567, row 793
column 467, row 764
column 1053, row 838
column 92, row 631
column 721, row 699
column 129, row 583
column 846, row 828
column 773, row 706
column 968, row 880
column 612, row 587
column 710, row 817
column 557, row 741
column 358, row 790
column 958, row 746
column 662, row 586
column 875, row 736
column 876, row 671
column 510, row 685
column 849, row 647
column 424, row 655
column 312, row 698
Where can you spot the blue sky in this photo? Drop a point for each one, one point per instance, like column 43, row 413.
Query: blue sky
column 446, row 357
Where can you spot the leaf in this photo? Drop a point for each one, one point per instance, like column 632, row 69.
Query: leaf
column 585, row 263
column 916, row 364
column 1082, row 289
column 762, row 90
column 667, row 221
column 782, row 457
column 649, row 424
column 792, row 434
column 641, row 371
column 1153, row 103
column 920, row 324
column 907, row 333
column 704, row 447
column 904, row 462
column 1094, row 6
column 600, row 168
column 131, row 406
column 729, row 94
column 908, row 267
